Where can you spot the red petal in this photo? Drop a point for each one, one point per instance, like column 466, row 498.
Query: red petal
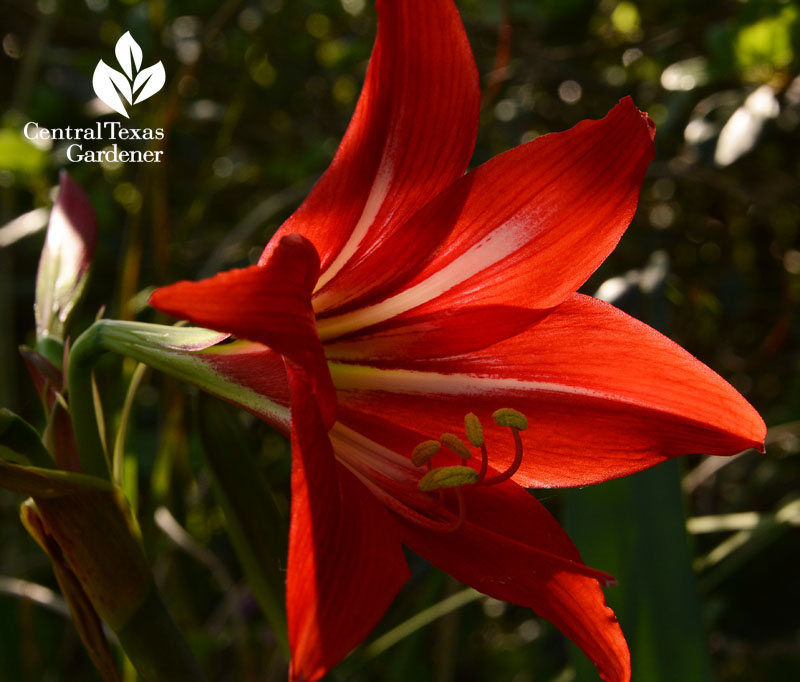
column 511, row 549
column 435, row 335
column 260, row 373
column 269, row 303
column 605, row 396
column 525, row 229
column 412, row 134
column 346, row 561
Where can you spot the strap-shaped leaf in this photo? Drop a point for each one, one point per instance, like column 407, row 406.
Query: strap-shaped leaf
column 90, row 522
column 90, row 519
column 254, row 524
column 84, row 616
column 20, row 443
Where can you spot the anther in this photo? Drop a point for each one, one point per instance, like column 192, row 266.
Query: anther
column 456, row 445
column 449, row 480
column 516, row 421
column 473, row 429
column 505, row 416
column 447, row 477
column 424, row 451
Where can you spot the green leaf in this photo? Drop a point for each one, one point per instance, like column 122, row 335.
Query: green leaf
column 84, row 615
column 767, row 42
column 20, row 443
column 87, row 525
column 634, row 528
column 256, row 528
column 18, row 155
column 91, row 521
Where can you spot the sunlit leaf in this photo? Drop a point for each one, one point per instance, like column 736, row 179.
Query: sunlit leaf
column 625, row 18
column 768, row 42
column 18, row 155
column 686, row 74
column 742, row 130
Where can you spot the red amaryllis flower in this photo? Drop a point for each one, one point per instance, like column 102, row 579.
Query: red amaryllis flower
column 404, row 295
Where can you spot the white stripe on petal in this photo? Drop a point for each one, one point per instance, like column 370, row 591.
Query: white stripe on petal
column 377, row 195
column 358, row 451
column 363, row 378
column 510, row 237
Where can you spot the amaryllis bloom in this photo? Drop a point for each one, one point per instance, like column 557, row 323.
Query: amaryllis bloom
column 404, row 296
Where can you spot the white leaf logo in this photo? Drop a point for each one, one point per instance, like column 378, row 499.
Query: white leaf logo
column 150, row 80
column 106, row 81
column 109, row 83
column 127, row 51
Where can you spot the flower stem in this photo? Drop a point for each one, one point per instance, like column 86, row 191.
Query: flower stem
column 84, row 354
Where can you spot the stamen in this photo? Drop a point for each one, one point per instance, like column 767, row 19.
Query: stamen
column 455, row 524
column 508, row 473
column 505, row 416
column 448, row 480
column 447, row 477
column 424, row 451
column 517, row 422
column 473, row 429
column 456, row 445
column 462, row 510
column 408, row 512
column 484, row 463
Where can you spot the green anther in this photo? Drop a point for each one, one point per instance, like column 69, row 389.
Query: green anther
column 424, row 451
column 473, row 429
column 456, row 445
column 505, row 416
column 447, row 477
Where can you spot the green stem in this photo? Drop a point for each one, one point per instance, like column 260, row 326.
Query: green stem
column 420, row 620
column 150, row 638
column 82, row 357
column 254, row 523
column 155, row 646
column 118, row 454
column 52, row 349
column 255, row 526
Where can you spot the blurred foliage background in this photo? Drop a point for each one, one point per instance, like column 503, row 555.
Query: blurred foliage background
column 258, row 94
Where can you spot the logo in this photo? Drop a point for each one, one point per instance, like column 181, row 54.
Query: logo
column 132, row 85
column 135, row 82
